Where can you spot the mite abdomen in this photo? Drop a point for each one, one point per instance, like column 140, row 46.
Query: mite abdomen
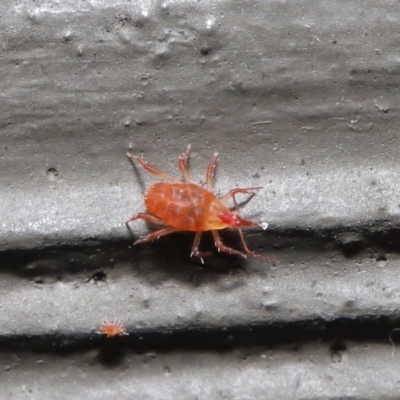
column 181, row 205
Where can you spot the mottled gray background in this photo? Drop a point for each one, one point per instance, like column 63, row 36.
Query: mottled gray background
column 301, row 98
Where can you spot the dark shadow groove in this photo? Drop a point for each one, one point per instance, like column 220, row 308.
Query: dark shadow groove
column 366, row 329
column 94, row 255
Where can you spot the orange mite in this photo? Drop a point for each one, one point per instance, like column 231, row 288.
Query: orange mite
column 186, row 206
column 114, row 328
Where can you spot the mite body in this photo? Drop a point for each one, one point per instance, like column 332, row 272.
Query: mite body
column 188, row 207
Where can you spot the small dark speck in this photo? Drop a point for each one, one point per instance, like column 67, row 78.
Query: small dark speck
column 205, row 51
column 52, row 171
column 98, row 278
column 52, row 174
column 256, row 175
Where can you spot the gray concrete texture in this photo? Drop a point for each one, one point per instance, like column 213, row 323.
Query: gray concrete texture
column 301, row 98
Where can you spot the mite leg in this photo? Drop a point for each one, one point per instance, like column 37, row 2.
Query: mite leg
column 226, row 249
column 195, row 248
column 151, row 169
column 183, row 159
column 248, row 251
column 146, row 217
column 233, row 192
column 153, row 220
column 156, row 235
column 210, row 172
column 221, row 247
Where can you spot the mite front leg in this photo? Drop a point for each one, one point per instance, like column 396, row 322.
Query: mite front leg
column 153, row 170
column 233, row 192
column 221, row 247
column 226, row 249
column 248, row 251
column 210, row 172
column 183, row 160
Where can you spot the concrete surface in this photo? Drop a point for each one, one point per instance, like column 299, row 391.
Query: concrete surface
column 314, row 372
column 300, row 98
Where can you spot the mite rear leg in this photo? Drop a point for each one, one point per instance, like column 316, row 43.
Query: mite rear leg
column 156, row 235
column 153, row 170
column 147, row 217
column 233, row 192
column 183, row 161
column 210, row 172
column 153, row 220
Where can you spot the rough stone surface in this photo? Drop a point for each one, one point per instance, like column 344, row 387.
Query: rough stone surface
column 300, row 98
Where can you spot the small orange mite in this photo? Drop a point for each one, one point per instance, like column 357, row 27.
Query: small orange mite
column 185, row 206
column 111, row 329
